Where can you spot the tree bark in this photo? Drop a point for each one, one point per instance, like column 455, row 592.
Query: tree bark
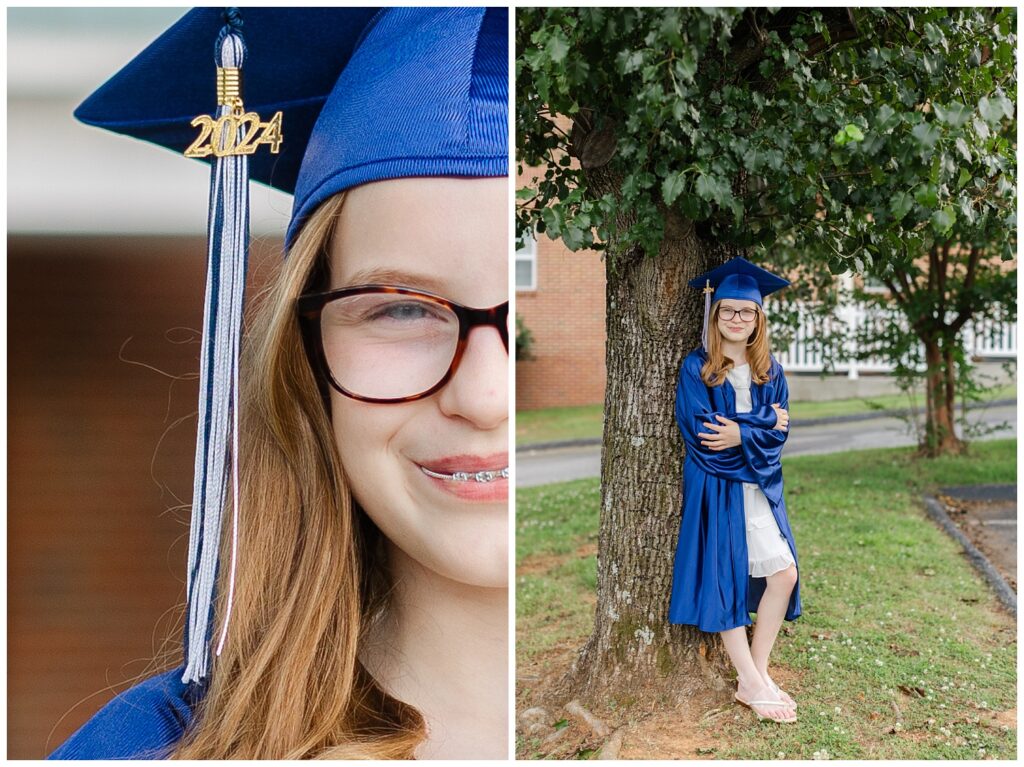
column 653, row 320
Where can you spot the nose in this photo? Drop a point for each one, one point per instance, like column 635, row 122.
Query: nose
column 478, row 390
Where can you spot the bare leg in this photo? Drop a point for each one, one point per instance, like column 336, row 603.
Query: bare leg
column 771, row 611
column 750, row 685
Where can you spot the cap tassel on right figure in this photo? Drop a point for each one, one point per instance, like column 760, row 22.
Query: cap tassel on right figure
column 708, row 290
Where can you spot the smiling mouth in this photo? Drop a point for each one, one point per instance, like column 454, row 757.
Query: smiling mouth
column 469, row 476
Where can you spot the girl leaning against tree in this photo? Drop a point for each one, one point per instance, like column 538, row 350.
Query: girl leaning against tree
column 736, row 553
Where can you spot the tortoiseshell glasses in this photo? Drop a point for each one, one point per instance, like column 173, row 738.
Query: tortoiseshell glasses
column 384, row 343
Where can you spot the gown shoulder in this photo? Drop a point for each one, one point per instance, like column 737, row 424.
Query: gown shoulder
column 143, row 722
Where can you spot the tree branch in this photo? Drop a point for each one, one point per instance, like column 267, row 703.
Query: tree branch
column 964, row 305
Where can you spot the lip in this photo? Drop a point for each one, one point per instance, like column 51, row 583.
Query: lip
column 736, row 330
column 481, row 492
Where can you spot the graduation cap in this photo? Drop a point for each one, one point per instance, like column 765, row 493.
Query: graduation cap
column 739, row 279
column 311, row 101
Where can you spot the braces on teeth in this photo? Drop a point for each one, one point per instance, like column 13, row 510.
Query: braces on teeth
column 462, row 476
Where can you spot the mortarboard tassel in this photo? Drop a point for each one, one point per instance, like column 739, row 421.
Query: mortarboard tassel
column 708, row 290
column 218, row 378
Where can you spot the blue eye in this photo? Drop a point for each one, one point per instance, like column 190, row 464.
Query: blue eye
column 406, row 312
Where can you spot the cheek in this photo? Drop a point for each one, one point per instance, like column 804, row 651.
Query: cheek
column 364, row 434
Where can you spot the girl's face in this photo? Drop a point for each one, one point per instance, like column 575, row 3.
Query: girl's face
column 736, row 328
column 449, row 237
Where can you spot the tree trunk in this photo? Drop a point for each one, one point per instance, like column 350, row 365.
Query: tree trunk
column 653, row 320
column 940, row 437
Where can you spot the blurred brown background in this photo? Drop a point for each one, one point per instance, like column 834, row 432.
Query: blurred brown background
column 99, row 475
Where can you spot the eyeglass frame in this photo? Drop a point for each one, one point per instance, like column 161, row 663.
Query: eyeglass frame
column 736, row 312
column 309, row 310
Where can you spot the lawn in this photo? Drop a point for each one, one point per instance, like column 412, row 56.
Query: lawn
column 567, row 423
column 902, row 651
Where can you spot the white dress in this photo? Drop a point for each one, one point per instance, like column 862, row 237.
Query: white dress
column 767, row 548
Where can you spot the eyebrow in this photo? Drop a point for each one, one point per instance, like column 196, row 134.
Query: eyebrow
column 385, row 276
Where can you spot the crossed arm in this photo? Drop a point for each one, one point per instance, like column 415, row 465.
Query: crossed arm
column 765, row 427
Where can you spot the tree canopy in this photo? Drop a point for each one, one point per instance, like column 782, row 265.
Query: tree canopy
column 863, row 135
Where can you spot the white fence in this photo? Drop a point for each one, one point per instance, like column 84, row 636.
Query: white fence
column 985, row 339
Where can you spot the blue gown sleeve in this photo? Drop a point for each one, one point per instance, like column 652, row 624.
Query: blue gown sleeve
column 762, row 448
column 693, row 407
column 144, row 722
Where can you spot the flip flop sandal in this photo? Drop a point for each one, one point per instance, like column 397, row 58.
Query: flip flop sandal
column 750, row 704
column 778, row 691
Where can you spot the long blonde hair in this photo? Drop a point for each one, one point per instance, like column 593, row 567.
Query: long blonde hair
column 758, row 352
column 311, row 577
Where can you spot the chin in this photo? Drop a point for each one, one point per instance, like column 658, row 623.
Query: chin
column 470, row 545
column 465, row 542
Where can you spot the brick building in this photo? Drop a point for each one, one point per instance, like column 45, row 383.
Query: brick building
column 560, row 300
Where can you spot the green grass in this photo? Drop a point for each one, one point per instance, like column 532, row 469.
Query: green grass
column 558, row 423
column 831, row 408
column 586, row 421
column 889, row 602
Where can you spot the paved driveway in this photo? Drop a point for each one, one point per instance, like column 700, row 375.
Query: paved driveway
column 541, row 467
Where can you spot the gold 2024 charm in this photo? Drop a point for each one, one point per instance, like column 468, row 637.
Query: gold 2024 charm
column 220, row 137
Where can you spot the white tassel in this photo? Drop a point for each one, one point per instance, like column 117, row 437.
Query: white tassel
column 218, row 397
column 707, row 313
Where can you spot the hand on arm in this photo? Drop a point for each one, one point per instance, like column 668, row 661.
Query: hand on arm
column 727, row 432
column 714, row 431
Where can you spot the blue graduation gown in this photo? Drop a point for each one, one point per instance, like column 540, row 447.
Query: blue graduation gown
column 711, row 587
column 143, row 722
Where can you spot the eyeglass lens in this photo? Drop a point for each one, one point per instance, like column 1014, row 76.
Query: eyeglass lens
column 747, row 315
column 387, row 345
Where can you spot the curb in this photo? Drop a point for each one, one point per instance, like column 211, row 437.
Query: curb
column 894, row 413
column 1003, row 591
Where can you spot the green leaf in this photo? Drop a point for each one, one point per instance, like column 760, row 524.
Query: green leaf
column 629, row 61
column 993, row 110
column 926, row 134
column 557, row 46
column 961, row 147
column 713, row 189
column 926, row 195
column 967, row 210
column 573, row 238
column 552, row 222
column 686, row 65
column 955, row 114
column 886, row 117
column 672, row 187
column 853, row 132
column 900, row 205
column 943, row 219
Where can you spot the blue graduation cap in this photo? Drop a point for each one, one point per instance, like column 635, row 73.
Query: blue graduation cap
column 330, row 98
column 739, row 279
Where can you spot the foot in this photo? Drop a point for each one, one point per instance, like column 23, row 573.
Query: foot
column 778, row 690
column 764, row 702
